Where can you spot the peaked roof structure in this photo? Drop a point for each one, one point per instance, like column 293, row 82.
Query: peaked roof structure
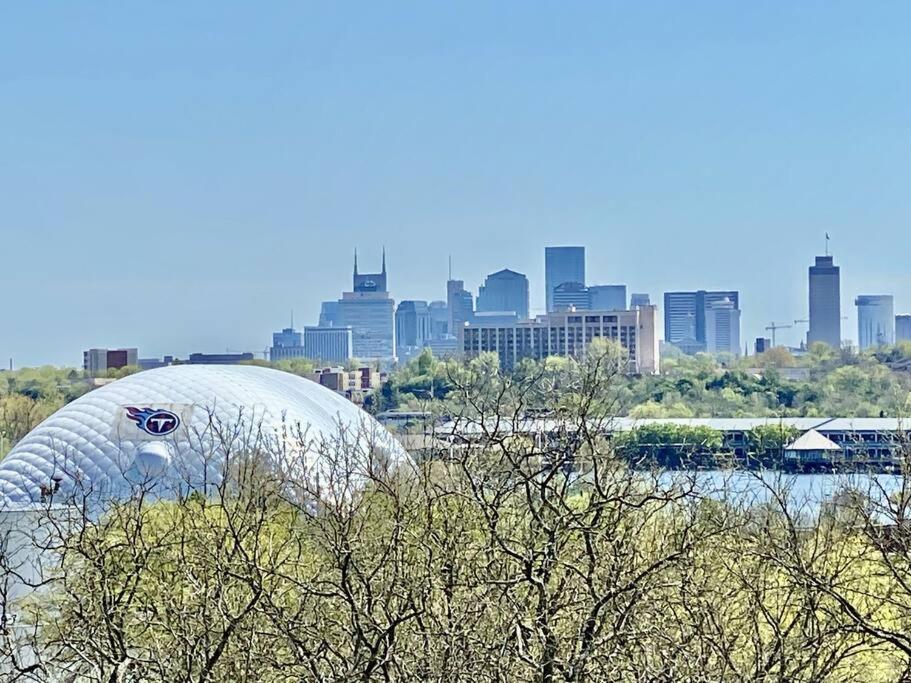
column 507, row 271
column 812, row 441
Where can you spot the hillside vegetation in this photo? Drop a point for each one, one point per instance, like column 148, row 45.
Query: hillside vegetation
column 824, row 382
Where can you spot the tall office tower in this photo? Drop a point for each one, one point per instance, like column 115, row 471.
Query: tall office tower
column 722, row 327
column 825, row 303
column 637, row 299
column 685, row 313
column 439, row 319
column 607, row 297
column 371, row 317
column 875, row 320
column 571, row 295
column 705, row 299
column 460, row 303
column 506, row 290
column 903, row 328
column 679, row 317
column 286, row 344
column 370, row 313
column 328, row 314
column 328, row 344
column 412, row 328
column 562, row 264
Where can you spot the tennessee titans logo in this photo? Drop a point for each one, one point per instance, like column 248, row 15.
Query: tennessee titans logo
column 154, row 421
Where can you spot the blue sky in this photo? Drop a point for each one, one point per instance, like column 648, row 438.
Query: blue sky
column 179, row 176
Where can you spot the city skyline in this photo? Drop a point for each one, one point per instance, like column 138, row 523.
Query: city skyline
column 495, row 341
column 182, row 185
column 797, row 331
column 694, row 321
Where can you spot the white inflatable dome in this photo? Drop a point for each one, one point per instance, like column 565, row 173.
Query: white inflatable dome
column 170, row 424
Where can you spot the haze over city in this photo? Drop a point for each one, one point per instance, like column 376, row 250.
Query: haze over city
column 470, row 342
column 182, row 185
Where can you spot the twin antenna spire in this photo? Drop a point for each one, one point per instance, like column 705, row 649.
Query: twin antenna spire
column 384, row 261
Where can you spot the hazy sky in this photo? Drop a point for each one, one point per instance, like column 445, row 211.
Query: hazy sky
column 179, row 176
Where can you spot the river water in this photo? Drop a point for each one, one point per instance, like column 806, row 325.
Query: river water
column 806, row 492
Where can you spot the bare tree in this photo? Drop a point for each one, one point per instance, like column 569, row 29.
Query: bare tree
column 522, row 547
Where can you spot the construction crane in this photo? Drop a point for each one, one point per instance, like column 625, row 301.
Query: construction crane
column 776, row 326
column 802, row 321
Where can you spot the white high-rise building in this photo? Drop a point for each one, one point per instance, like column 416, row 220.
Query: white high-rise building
column 875, row 320
column 722, row 327
column 328, row 344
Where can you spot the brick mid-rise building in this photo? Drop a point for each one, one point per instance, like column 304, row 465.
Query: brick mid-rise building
column 570, row 333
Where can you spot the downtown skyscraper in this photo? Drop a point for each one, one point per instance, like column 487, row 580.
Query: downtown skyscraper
column 561, row 265
column 412, row 328
column 369, row 312
column 875, row 320
column 504, row 291
column 722, row 327
column 825, row 303
column 685, row 317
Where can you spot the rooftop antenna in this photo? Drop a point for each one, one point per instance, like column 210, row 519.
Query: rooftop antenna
column 355, row 260
column 384, row 259
column 292, row 318
column 827, row 244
